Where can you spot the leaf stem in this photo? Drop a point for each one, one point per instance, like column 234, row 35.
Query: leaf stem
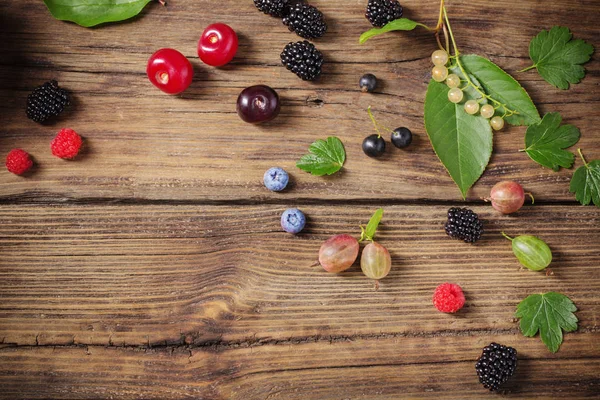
column 583, row 159
column 506, row 236
column 528, row 68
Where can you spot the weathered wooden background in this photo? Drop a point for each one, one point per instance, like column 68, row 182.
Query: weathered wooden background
column 154, row 267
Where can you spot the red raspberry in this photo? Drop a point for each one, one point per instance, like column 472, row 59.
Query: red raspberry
column 448, row 298
column 18, row 161
column 66, row 144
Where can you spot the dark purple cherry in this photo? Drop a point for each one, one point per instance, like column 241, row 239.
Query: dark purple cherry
column 258, row 104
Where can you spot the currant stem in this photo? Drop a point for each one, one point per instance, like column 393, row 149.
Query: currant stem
column 447, row 40
column 583, row 159
column 440, row 19
column 507, row 112
column 506, row 236
column 378, row 126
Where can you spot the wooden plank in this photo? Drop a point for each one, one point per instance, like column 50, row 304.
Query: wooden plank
column 435, row 366
column 159, row 275
column 146, row 145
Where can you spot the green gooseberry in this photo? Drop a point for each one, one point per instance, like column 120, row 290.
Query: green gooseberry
column 531, row 251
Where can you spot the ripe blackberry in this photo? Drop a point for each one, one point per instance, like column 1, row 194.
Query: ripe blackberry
column 464, row 224
column 303, row 59
column 306, row 20
column 380, row 12
column 46, row 101
column 275, row 8
column 496, row 364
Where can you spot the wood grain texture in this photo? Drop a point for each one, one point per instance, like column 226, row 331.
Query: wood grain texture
column 154, row 266
column 143, row 144
column 152, row 275
column 383, row 368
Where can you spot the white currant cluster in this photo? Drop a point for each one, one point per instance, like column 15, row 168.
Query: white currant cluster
column 439, row 73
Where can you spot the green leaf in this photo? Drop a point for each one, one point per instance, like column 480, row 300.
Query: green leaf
column 325, row 158
column 462, row 142
column 546, row 140
column 502, row 87
column 586, row 182
column 93, row 12
column 557, row 58
column 368, row 233
column 550, row 314
column 401, row 24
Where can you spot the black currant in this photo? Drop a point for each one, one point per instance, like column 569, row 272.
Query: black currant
column 368, row 83
column 373, row 145
column 402, row 137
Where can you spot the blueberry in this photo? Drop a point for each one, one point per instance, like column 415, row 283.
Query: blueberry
column 401, row 137
column 368, row 82
column 276, row 179
column 373, row 145
column 293, row 220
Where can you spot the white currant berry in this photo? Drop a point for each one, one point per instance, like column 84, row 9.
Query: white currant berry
column 497, row 123
column 487, row 111
column 455, row 95
column 471, row 107
column 453, row 81
column 439, row 73
column 439, row 57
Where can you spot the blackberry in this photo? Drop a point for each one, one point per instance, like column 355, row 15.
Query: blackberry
column 306, row 20
column 380, row 12
column 464, row 224
column 275, row 8
column 46, row 101
column 303, row 59
column 496, row 364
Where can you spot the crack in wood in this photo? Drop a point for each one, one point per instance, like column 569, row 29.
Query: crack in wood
column 223, row 345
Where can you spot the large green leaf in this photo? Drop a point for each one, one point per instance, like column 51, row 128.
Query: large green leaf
column 503, row 88
column 93, row 12
column 463, row 142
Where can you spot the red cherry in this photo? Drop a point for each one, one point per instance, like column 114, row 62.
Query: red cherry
column 217, row 45
column 170, row 71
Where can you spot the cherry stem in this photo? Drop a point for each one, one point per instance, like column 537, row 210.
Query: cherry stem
column 532, row 198
column 506, row 236
column 163, row 3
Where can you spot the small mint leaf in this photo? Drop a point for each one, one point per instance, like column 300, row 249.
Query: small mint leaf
column 326, row 157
